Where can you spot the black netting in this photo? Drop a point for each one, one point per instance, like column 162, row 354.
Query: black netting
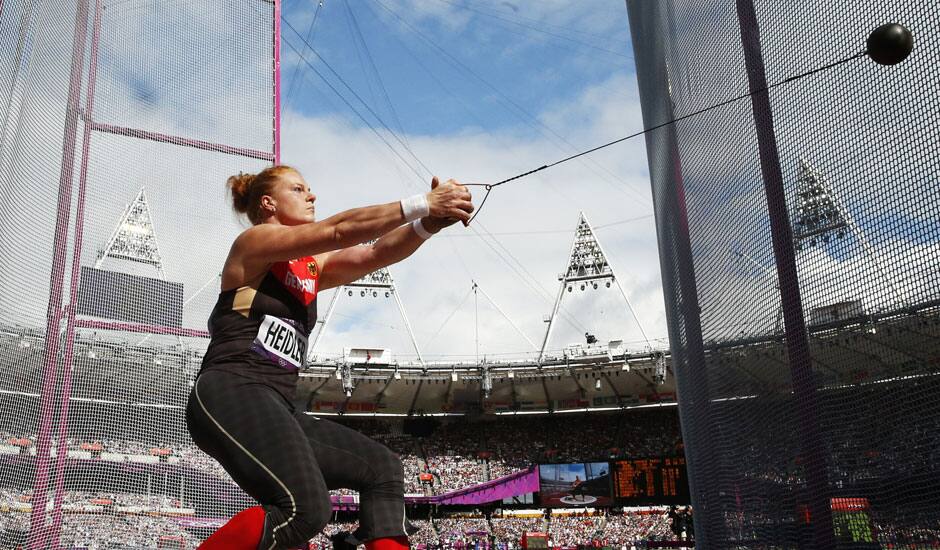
column 800, row 252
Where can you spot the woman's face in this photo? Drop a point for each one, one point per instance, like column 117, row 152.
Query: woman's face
column 292, row 200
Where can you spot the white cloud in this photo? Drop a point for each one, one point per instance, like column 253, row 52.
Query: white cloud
column 587, row 20
column 349, row 167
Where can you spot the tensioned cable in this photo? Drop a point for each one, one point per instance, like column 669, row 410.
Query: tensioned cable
column 533, row 283
column 395, row 151
column 489, row 186
column 574, row 322
column 293, row 80
column 437, row 81
column 508, row 258
column 564, row 314
column 357, row 96
column 357, row 31
column 350, row 105
column 440, row 327
column 550, row 231
column 520, row 111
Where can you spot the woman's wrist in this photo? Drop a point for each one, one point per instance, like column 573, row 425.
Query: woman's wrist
column 423, row 228
column 415, row 207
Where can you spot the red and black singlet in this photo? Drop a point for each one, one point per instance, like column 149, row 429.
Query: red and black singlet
column 260, row 330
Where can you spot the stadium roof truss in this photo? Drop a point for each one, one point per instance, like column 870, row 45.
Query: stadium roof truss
column 376, row 283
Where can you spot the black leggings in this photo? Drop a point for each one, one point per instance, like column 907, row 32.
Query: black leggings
column 288, row 461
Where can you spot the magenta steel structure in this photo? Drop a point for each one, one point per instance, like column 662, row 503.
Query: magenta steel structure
column 277, row 81
column 43, row 533
column 37, row 520
column 182, row 141
column 59, row 476
column 141, row 329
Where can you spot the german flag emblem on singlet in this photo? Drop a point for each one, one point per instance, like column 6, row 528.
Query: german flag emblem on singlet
column 299, row 277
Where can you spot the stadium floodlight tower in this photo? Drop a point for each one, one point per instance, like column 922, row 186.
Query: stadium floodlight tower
column 134, row 238
column 819, row 217
column 375, row 284
column 587, row 266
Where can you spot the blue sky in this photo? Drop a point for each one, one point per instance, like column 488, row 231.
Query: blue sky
column 450, row 65
column 478, row 91
column 476, row 94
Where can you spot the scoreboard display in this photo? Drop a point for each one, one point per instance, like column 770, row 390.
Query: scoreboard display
column 575, row 484
column 660, row 480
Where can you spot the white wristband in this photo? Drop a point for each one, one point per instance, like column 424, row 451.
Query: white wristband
column 415, row 207
column 420, row 230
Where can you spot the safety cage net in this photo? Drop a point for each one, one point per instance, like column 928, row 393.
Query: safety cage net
column 800, row 252
column 120, row 121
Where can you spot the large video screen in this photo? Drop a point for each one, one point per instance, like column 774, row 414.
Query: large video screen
column 661, row 480
column 578, row 484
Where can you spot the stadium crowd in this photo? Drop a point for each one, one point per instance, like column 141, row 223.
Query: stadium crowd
column 10, row 498
column 456, row 454
column 627, row 530
column 92, row 532
column 461, row 453
column 100, row 530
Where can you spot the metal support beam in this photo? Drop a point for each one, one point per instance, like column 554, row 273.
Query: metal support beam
column 54, row 314
column 414, row 399
column 797, row 341
column 501, row 312
column 326, row 319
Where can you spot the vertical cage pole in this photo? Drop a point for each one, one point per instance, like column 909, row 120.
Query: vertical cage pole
column 78, row 232
column 277, row 81
column 37, row 519
column 796, row 335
